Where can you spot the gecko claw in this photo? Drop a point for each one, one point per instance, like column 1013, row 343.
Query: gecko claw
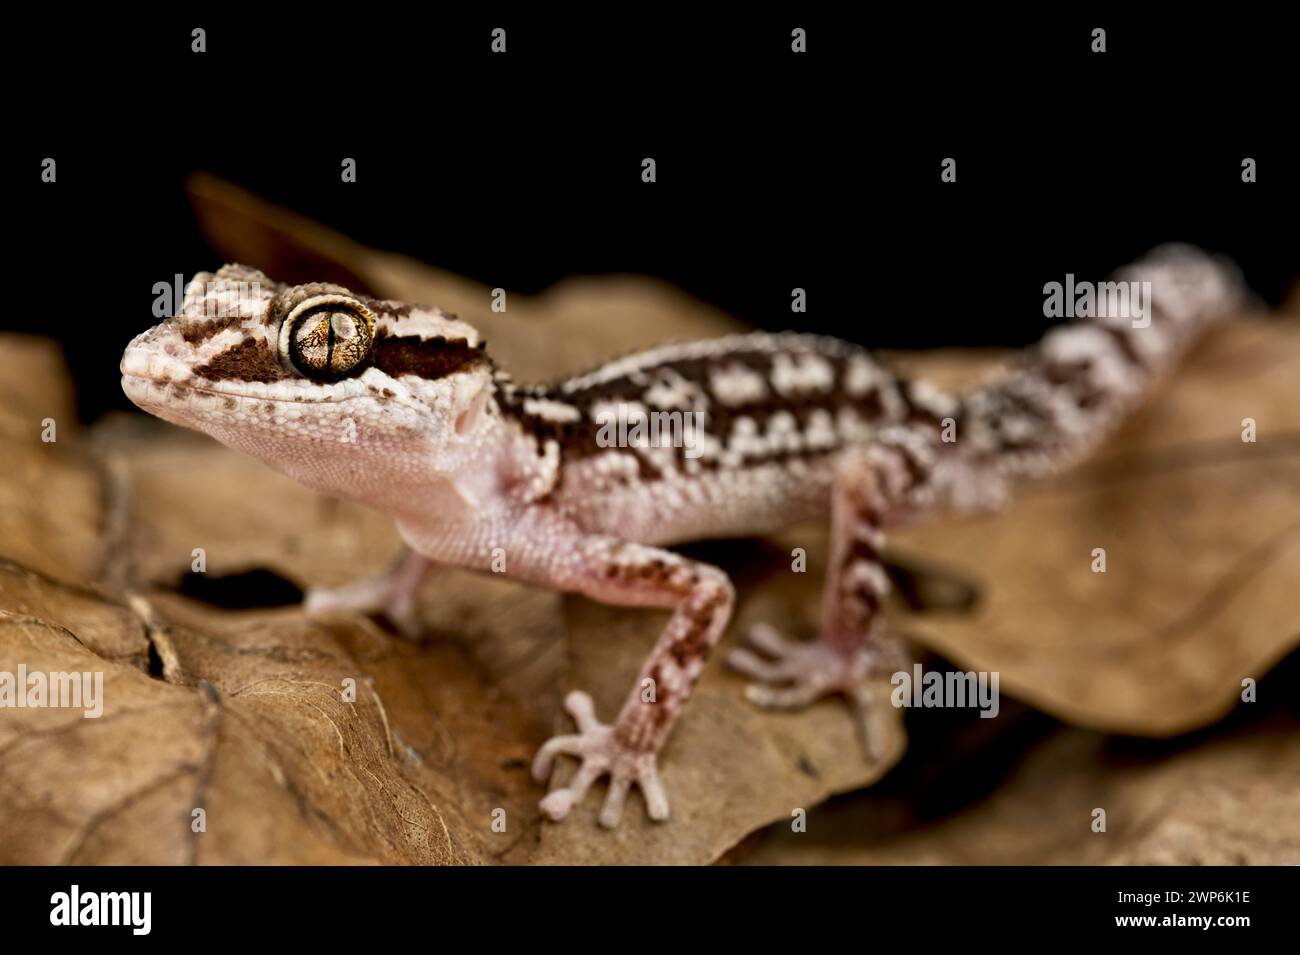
column 601, row 753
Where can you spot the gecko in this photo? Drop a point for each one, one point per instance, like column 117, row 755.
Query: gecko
column 402, row 408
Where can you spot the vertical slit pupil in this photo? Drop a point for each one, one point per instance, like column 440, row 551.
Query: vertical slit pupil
column 325, row 332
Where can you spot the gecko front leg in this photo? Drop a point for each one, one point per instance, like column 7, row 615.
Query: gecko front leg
column 392, row 593
column 851, row 652
column 701, row 597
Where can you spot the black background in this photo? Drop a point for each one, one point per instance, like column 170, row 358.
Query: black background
column 775, row 170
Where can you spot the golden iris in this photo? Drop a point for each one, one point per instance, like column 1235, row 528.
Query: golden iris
column 329, row 342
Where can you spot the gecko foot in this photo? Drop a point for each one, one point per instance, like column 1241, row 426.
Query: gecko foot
column 601, row 753
column 798, row 673
column 393, row 593
column 364, row 597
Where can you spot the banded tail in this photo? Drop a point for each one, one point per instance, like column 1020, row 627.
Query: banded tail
column 1064, row 395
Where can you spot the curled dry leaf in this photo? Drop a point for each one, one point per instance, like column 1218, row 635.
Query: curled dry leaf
column 58, row 531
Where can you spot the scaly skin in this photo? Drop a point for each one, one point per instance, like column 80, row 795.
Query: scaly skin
column 400, row 407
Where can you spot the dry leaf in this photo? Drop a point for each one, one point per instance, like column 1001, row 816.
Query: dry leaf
column 56, row 531
column 102, row 625
column 280, row 767
column 1231, row 799
column 1202, row 540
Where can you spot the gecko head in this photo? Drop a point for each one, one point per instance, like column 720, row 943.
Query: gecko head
column 343, row 392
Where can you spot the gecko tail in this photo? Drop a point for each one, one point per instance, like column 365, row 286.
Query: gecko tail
column 1066, row 394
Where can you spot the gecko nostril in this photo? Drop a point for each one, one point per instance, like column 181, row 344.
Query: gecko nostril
column 169, row 349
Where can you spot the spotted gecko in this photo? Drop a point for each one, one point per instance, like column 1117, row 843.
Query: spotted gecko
column 400, row 407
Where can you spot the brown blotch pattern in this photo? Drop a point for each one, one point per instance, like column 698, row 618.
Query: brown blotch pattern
column 199, row 331
column 250, row 360
column 426, row 357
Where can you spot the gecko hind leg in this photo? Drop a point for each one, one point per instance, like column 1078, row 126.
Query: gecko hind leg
column 851, row 653
column 392, row 593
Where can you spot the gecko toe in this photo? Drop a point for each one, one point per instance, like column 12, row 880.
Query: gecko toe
column 767, row 639
column 800, row 673
column 557, row 804
column 656, row 799
column 783, row 698
column 750, row 664
column 583, row 710
column 545, row 758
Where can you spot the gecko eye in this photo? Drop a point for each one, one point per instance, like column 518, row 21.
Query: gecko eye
column 329, row 340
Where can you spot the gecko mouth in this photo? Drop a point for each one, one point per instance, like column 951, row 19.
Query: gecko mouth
column 154, row 379
column 162, row 391
column 161, row 377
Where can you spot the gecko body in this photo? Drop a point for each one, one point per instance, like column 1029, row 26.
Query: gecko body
column 400, row 407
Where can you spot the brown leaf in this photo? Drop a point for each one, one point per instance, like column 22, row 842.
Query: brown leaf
column 282, row 768
column 56, row 531
column 102, row 625
column 1202, row 540
column 1227, row 800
